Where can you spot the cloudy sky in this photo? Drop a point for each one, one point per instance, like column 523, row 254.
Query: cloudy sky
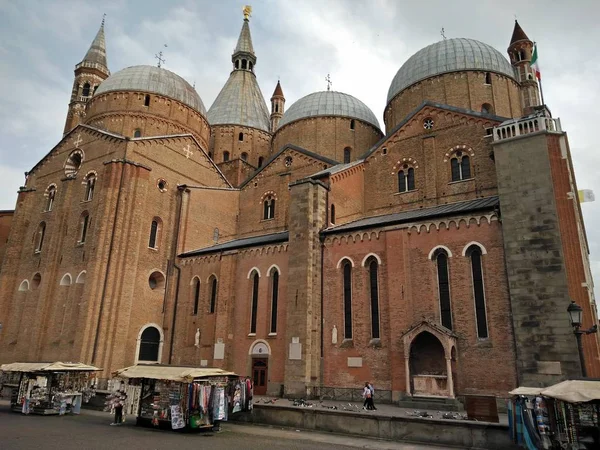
column 361, row 43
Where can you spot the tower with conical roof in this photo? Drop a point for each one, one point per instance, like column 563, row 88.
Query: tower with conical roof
column 277, row 106
column 239, row 118
column 520, row 51
column 89, row 73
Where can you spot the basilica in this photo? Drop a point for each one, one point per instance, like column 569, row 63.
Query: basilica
column 304, row 245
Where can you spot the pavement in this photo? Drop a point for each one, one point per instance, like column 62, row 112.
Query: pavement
column 91, row 430
column 383, row 409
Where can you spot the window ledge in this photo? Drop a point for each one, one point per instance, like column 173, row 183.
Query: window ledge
column 37, row 252
column 267, row 220
column 407, row 192
column 154, row 249
column 79, row 244
column 251, row 334
column 461, row 181
column 272, row 334
column 346, row 343
column 46, row 211
column 375, row 342
column 86, row 201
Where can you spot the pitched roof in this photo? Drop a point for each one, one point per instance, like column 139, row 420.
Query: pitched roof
column 486, row 203
column 283, row 149
column 518, row 34
column 253, row 241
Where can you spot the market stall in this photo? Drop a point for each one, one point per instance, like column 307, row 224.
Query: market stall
column 176, row 398
column 565, row 415
column 50, row 388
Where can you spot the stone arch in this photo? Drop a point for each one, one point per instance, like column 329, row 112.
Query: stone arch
column 274, row 266
column 156, row 280
column 24, row 286
column 66, row 280
column 253, row 270
column 374, row 255
column 257, row 348
column 481, row 247
column 81, row 277
column 150, row 342
column 35, row 281
column 339, row 264
column 439, row 247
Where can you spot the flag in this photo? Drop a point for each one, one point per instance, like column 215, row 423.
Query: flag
column 535, row 65
column 586, row 195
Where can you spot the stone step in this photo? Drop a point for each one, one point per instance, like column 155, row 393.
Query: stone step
column 431, row 404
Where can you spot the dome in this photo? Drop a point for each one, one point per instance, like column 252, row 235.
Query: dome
column 329, row 103
column 154, row 80
column 449, row 55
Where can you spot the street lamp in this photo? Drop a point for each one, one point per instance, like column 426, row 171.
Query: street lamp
column 576, row 316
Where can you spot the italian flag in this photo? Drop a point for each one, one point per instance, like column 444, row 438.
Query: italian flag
column 535, row 66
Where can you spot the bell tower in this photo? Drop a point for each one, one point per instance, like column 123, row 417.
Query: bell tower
column 520, row 51
column 277, row 107
column 89, row 73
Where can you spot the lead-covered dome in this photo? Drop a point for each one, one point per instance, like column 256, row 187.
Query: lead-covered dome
column 329, row 103
column 449, row 55
column 153, row 80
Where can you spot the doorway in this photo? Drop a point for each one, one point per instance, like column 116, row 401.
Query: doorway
column 259, row 375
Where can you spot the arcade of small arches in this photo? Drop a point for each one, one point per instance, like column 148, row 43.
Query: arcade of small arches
column 65, row 280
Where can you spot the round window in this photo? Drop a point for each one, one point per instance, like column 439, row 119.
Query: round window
column 73, row 163
column 162, row 185
column 428, row 123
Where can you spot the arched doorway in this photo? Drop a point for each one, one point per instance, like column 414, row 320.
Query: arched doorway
column 428, row 353
column 259, row 354
column 149, row 346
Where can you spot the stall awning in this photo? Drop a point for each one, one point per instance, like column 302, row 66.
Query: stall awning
column 172, row 373
column 574, row 391
column 47, row 367
column 527, row 391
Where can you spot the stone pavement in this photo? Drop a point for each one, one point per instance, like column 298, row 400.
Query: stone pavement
column 383, row 409
column 91, row 431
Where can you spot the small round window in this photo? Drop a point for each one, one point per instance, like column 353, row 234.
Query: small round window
column 428, row 123
column 156, row 280
column 73, row 163
column 162, row 185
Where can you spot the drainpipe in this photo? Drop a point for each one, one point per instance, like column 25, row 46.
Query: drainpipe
column 180, row 190
column 110, row 254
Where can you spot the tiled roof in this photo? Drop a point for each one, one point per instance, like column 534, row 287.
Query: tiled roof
column 240, row 243
column 518, row 34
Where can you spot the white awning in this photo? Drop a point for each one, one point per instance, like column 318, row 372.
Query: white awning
column 527, row 391
column 47, row 367
column 574, row 391
column 172, row 373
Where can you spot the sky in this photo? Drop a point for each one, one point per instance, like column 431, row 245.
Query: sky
column 360, row 43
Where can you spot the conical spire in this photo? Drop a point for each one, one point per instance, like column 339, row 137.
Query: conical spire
column 278, row 92
column 518, row 34
column 244, row 43
column 96, row 55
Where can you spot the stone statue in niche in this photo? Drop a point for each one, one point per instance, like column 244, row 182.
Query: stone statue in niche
column 197, row 338
column 334, row 335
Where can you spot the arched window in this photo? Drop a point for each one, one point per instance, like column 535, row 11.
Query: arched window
column 250, row 65
column 474, row 253
column 241, row 137
column 460, row 166
column 36, row 280
column 225, row 156
column 95, row 88
column 269, row 208
column 90, row 182
column 486, row 108
column 156, row 280
column 488, row 78
column 244, row 156
column 274, row 299
column 254, row 307
column 244, row 64
column 86, row 90
column 441, row 259
column 154, row 233
column 260, row 161
column 373, row 266
column 73, row 163
column 84, row 223
column 347, row 154
column 276, row 107
column 66, row 280
column 39, row 237
column 213, row 294
column 196, row 285
column 150, row 342
column 347, row 283
column 352, row 124
column 237, row 63
column 24, row 286
column 406, row 179
column 137, row 133
column 522, row 56
column 147, row 100
column 50, row 196
column 332, row 215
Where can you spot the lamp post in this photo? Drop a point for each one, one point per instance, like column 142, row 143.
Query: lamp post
column 575, row 315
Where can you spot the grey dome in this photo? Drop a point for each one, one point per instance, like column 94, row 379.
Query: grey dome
column 449, row 55
column 154, row 80
column 329, row 103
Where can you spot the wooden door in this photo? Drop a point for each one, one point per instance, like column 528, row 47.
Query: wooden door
column 259, row 376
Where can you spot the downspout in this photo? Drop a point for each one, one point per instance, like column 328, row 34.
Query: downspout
column 180, row 190
column 110, row 254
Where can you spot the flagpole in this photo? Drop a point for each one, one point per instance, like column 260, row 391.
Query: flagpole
column 541, row 90
column 538, row 72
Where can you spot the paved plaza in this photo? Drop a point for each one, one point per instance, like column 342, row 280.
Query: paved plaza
column 91, row 431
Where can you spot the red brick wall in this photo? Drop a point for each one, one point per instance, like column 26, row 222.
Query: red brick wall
column 6, row 218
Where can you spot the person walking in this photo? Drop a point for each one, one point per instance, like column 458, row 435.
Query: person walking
column 367, row 396
column 371, row 399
